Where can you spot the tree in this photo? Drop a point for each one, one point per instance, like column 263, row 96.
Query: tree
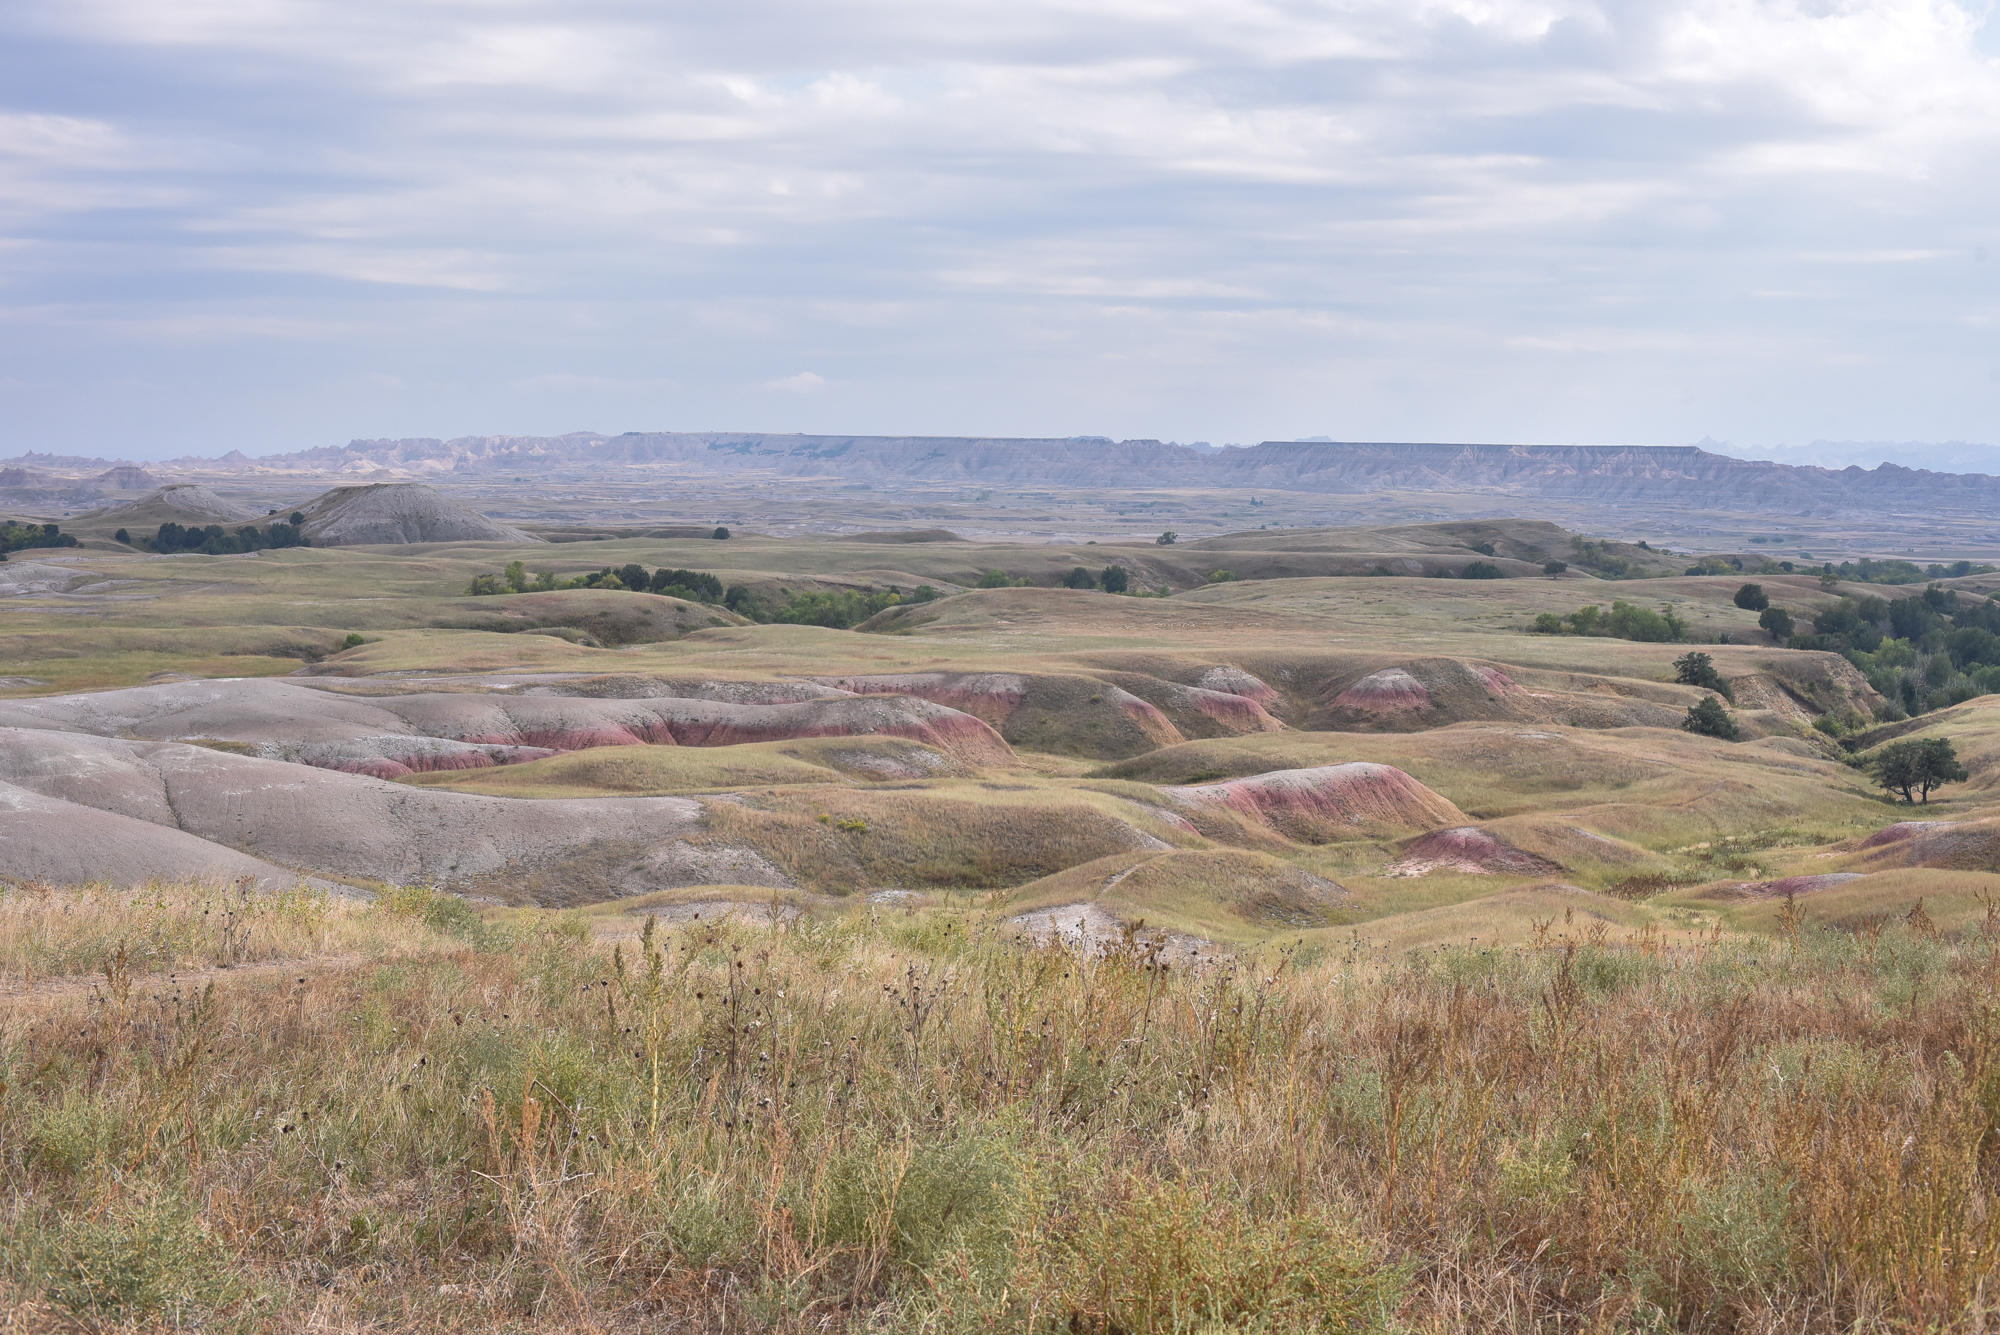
column 1698, row 669
column 720, row 533
column 1778, row 621
column 517, row 576
column 122, row 536
column 1554, row 568
column 547, row 581
column 1168, row 539
column 1827, row 578
column 1907, row 767
column 297, row 519
column 996, row 579
column 483, row 586
column 1482, row 570
column 634, row 577
column 1079, row 578
column 1752, row 598
column 1116, row 579
column 1710, row 719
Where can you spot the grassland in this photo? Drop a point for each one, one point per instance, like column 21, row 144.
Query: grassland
column 909, row 1121
column 1711, row 1047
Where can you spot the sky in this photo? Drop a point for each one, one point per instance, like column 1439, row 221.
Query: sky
column 269, row 225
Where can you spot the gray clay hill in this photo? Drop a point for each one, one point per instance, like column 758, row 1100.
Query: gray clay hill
column 181, row 503
column 398, row 512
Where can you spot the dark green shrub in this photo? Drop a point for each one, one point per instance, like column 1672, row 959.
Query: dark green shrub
column 1116, row 579
column 1482, row 570
column 1752, row 598
column 1698, row 669
column 1710, row 719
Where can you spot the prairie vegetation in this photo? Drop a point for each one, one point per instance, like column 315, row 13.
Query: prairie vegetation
column 916, row 1122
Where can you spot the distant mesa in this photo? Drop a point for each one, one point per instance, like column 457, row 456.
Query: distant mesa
column 126, row 477
column 24, row 477
column 385, row 513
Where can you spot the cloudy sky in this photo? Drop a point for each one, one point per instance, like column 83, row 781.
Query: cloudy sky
column 273, row 224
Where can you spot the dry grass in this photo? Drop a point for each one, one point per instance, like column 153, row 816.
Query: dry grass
column 904, row 1121
column 48, row 933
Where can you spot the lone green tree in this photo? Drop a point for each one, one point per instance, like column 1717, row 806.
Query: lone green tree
column 721, row 534
column 1168, row 539
column 1079, row 578
column 1116, row 579
column 517, row 576
column 1916, row 767
column 1555, row 568
column 1710, row 719
column 1698, row 669
column 1778, row 621
column 1752, row 598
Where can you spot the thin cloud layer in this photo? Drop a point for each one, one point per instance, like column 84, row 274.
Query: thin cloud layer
column 280, row 223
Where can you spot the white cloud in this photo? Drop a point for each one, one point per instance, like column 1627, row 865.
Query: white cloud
column 805, row 382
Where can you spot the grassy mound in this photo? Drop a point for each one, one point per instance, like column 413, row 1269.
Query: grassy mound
column 1218, row 894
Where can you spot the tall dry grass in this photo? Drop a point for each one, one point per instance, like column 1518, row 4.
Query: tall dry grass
column 48, row 932
column 907, row 1122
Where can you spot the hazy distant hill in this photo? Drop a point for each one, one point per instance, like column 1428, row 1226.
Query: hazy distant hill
column 1683, row 475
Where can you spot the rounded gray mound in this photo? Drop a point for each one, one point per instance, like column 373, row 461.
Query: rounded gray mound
column 398, row 512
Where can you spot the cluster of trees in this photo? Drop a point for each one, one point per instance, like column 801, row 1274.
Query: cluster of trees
column 1775, row 620
column 1603, row 559
column 1624, row 621
column 1473, row 570
column 19, row 537
column 1921, row 653
column 214, row 540
column 1870, row 571
column 695, row 586
column 838, row 609
column 1912, row 769
column 1112, row 579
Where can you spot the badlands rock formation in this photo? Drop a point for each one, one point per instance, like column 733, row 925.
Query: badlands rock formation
column 393, row 734
column 274, row 779
column 1328, row 802
column 398, row 512
column 184, row 503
